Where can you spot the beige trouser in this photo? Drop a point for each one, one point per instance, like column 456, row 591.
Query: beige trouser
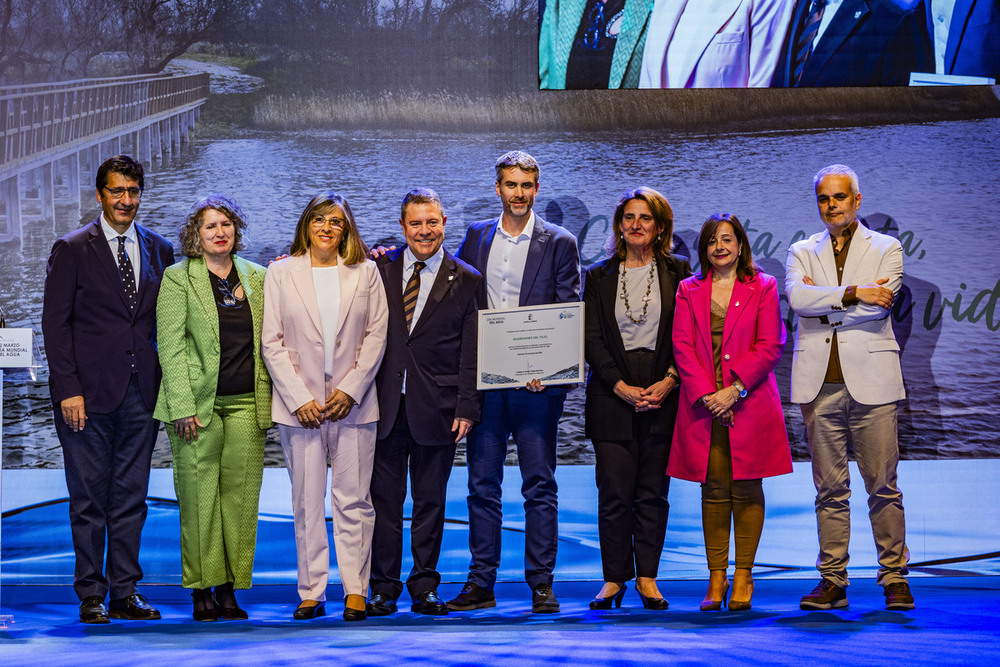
column 835, row 423
column 350, row 450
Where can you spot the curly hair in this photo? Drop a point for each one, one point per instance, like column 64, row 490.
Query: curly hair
column 188, row 230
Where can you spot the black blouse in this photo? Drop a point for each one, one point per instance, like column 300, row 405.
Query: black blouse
column 235, row 336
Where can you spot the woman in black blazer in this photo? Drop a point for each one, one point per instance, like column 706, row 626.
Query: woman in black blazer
column 631, row 403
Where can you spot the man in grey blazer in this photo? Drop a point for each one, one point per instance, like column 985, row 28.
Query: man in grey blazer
column 846, row 377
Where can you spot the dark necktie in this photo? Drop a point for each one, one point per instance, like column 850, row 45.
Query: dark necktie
column 804, row 44
column 411, row 292
column 127, row 272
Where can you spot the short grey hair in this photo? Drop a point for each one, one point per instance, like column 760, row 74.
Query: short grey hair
column 188, row 230
column 519, row 160
column 837, row 170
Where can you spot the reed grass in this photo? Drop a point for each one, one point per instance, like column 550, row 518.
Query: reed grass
column 595, row 110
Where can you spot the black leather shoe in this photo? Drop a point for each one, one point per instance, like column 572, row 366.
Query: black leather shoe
column 381, row 605
column 229, row 608
column 92, row 610
column 304, row 612
column 543, row 600
column 133, row 608
column 606, row 603
column 656, row 604
column 205, row 608
column 429, row 603
column 353, row 613
column 472, row 596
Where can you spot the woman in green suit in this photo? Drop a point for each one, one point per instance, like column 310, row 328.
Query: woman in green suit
column 216, row 394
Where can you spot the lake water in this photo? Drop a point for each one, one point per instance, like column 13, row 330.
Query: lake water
column 938, row 181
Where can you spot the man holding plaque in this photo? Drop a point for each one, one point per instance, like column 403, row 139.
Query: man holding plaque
column 427, row 400
column 526, row 262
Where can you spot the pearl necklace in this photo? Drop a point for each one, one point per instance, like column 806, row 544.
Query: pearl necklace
column 645, row 298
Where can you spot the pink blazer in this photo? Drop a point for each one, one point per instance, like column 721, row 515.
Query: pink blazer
column 752, row 343
column 292, row 335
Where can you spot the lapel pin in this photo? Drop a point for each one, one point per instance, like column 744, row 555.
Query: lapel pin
column 858, row 14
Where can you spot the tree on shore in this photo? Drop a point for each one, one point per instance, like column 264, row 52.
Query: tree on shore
column 63, row 39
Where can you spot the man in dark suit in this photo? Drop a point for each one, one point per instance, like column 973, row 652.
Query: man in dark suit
column 863, row 43
column 99, row 323
column 525, row 262
column 968, row 43
column 427, row 400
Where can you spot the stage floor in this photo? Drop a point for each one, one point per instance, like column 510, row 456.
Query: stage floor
column 957, row 621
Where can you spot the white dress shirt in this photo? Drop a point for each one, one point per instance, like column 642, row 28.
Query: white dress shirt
column 505, row 265
column 131, row 245
column 828, row 13
column 326, row 282
column 941, row 11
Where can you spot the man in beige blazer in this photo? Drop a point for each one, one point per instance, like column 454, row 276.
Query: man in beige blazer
column 846, row 376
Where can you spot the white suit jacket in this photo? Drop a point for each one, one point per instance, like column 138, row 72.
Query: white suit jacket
column 721, row 43
column 869, row 354
column 292, row 338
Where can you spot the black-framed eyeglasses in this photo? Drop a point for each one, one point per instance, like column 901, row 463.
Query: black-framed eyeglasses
column 118, row 193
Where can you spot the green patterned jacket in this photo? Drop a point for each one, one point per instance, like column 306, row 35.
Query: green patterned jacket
column 187, row 336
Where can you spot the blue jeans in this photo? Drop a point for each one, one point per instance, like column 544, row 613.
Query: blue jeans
column 533, row 420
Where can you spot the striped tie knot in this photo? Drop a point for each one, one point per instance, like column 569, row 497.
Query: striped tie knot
column 411, row 292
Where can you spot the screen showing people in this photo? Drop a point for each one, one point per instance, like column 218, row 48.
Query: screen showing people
column 767, row 43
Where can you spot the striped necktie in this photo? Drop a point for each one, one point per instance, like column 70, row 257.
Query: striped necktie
column 411, row 292
column 804, row 44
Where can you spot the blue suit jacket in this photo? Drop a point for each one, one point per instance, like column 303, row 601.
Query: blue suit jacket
column 868, row 43
column 91, row 336
column 551, row 271
column 438, row 354
column 973, row 38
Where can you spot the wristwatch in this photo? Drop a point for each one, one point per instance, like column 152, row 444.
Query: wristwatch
column 742, row 392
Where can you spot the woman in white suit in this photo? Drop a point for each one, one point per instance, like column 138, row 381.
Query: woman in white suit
column 714, row 43
column 324, row 334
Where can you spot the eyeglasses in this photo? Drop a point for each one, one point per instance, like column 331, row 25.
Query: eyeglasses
column 318, row 222
column 118, row 193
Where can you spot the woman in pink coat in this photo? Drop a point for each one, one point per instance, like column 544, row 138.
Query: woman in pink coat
column 323, row 337
column 728, row 337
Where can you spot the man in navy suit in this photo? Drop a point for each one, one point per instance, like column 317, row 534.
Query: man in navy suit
column 99, row 323
column 966, row 36
column 427, row 400
column 854, row 43
column 525, row 262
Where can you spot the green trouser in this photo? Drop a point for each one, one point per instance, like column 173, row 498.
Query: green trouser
column 217, row 478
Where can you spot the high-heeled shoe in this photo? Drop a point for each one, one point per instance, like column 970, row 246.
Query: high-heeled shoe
column 740, row 604
column 657, row 604
column 225, row 599
column 351, row 610
column 205, row 608
column 606, row 602
column 712, row 604
column 305, row 612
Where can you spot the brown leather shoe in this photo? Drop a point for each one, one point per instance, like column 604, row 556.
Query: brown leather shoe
column 898, row 596
column 472, row 596
column 826, row 595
